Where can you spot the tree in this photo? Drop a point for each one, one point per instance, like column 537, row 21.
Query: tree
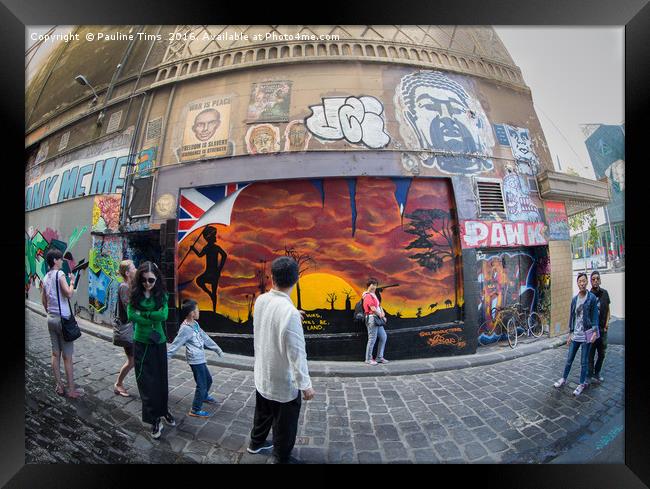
column 331, row 299
column 348, row 299
column 304, row 261
column 398, row 314
column 436, row 234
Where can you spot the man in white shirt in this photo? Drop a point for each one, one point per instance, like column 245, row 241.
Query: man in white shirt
column 281, row 371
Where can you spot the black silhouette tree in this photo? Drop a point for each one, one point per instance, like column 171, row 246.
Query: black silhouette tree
column 436, row 234
column 304, row 261
column 331, row 299
column 398, row 314
column 262, row 278
column 348, row 299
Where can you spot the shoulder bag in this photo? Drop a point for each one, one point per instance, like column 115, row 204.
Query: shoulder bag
column 122, row 329
column 69, row 327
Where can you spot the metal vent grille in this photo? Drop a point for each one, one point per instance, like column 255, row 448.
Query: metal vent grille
column 490, row 196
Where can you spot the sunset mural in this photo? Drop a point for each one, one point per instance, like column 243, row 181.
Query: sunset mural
column 341, row 231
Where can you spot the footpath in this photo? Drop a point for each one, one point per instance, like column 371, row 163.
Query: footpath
column 497, row 406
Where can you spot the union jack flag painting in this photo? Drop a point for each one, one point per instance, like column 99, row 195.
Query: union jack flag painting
column 199, row 207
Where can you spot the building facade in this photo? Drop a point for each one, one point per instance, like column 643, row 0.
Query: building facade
column 410, row 154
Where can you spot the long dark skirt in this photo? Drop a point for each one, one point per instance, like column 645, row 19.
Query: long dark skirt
column 151, row 377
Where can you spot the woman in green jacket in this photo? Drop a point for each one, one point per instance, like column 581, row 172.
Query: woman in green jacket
column 147, row 310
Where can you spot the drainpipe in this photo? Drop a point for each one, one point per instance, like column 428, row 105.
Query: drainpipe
column 131, row 162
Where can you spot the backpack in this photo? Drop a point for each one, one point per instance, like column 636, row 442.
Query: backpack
column 359, row 315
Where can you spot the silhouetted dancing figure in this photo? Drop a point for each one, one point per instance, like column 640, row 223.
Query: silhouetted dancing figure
column 213, row 266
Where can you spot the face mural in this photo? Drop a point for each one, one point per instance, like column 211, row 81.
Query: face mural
column 437, row 114
column 504, row 279
column 340, row 231
column 522, row 150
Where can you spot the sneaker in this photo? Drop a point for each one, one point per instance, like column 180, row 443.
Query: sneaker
column 597, row 379
column 199, row 414
column 210, row 400
column 292, row 460
column 267, row 445
column 382, row 360
column 579, row 389
column 371, row 362
column 559, row 383
column 156, row 430
column 169, row 419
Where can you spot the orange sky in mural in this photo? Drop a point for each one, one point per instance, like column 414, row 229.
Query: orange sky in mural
column 269, row 216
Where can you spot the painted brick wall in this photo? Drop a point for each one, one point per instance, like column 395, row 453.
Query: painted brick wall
column 561, row 286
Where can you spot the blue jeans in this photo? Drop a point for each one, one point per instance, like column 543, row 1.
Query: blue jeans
column 584, row 359
column 203, row 380
column 373, row 332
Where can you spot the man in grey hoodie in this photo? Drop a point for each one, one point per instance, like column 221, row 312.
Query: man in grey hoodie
column 195, row 340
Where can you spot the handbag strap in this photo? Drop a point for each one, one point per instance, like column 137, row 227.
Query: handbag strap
column 58, row 299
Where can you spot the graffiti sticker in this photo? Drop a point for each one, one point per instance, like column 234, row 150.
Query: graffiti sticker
column 356, row 119
column 263, row 138
column 296, row 136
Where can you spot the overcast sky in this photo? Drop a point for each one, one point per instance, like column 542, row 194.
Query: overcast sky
column 576, row 76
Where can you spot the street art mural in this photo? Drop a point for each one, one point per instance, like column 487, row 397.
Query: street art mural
column 38, row 243
column 522, row 150
column 97, row 170
column 558, row 223
column 263, row 138
column 340, row 231
column 104, row 278
column 296, row 136
column 504, row 279
column 440, row 118
column 207, row 127
column 519, row 205
column 357, row 120
column 269, row 102
column 106, row 213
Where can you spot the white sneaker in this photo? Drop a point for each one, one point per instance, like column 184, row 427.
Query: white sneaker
column 579, row 389
column 559, row 383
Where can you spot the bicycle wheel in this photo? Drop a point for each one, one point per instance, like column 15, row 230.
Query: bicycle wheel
column 511, row 331
column 535, row 325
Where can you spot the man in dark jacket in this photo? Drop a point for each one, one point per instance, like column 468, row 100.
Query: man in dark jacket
column 600, row 345
column 582, row 319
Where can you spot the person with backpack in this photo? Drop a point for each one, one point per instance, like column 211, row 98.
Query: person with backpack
column 375, row 322
column 123, row 330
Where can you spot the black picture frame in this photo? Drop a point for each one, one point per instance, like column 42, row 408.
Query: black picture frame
column 633, row 14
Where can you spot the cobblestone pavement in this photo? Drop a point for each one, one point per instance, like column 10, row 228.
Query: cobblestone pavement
column 500, row 413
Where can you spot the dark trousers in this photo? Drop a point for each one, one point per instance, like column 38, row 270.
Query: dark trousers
column 599, row 346
column 151, row 377
column 283, row 418
column 203, row 380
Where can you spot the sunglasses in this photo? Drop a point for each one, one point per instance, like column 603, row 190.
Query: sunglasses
column 149, row 280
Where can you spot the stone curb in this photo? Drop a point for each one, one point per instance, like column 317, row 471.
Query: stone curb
column 354, row 369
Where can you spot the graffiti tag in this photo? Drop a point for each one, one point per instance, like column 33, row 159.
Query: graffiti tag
column 489, row 234
column 355, row 119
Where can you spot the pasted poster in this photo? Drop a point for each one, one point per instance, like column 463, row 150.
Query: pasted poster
column 558, row 223
column 522, row 150
column 269, row 102
column 340, row 231
column 206, row 129
column 519, row 205
column 444, row 121
column 262, row 138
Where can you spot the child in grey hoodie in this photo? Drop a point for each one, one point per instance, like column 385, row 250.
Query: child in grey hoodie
column 195, row 340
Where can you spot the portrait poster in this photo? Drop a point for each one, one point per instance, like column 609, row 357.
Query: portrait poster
column 206, row 129
column 556, row 218
column 269, row 102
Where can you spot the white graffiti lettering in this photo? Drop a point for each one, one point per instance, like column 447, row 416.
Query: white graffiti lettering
column 356, row 119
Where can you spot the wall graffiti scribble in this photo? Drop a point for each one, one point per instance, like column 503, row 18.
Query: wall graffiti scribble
column 356, row 119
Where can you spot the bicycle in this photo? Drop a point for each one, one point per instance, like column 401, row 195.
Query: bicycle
column 502, row 324
column 530, row 323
